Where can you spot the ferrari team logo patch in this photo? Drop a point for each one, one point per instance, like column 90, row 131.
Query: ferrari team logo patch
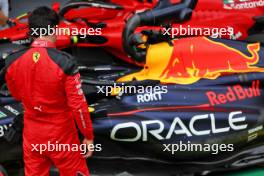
column 36, row 56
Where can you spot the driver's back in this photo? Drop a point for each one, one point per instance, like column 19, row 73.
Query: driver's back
column 38, row 75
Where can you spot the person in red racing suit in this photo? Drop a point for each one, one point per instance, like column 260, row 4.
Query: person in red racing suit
column 47, row 82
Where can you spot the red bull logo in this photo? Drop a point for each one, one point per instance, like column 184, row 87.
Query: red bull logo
column 234, row 93
column 192, row 59
column 201, row 57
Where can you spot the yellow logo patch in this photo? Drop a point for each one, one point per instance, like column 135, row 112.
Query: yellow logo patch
column 36, row 57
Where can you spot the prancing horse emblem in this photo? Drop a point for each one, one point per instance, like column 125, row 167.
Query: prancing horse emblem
column 36, row 56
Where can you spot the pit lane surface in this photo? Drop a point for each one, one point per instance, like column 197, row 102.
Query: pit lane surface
column 149, row 171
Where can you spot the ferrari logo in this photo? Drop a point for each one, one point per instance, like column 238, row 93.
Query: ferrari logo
column 36, row 57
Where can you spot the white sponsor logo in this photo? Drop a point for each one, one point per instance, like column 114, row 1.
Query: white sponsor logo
column 236, row 36
column 3, row 128
column 254, row 130
column 39, row 108
column 22, row 42
column 243, row 4
column 9, row 108
column 253, row 133
column 149, row 97
column 236, row 122
column 2, row 114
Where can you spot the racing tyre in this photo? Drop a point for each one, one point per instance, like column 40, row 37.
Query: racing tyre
column 3, row 171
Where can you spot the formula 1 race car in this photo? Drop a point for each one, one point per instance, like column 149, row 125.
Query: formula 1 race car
column 201, row 118
column 195, row 107
column 236, row 19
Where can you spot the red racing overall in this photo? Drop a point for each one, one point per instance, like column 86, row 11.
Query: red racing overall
column 47, row 82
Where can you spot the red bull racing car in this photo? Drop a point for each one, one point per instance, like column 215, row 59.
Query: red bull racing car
column 195, row 107
column 201, row 118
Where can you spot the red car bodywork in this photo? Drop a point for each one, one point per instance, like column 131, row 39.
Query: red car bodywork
column 207, row 14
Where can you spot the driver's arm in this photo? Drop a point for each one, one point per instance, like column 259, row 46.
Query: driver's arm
column 77, row 103
column 12, row 86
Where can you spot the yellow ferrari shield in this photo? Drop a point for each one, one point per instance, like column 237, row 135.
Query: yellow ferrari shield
column 36, row 56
